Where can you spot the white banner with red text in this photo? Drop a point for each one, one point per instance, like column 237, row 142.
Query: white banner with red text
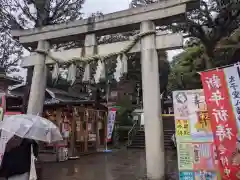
column 222, row 93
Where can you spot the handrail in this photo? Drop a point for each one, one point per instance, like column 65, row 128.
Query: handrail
column 132, row 132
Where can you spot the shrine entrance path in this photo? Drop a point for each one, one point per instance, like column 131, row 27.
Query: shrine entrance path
column 119, row 165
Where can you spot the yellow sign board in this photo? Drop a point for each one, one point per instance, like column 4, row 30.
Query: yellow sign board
column 182, row 128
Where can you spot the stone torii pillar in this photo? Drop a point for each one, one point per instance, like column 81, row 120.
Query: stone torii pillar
column 39, row 80
column 152, row 105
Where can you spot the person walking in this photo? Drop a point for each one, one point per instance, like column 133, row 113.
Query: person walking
column 16, row 161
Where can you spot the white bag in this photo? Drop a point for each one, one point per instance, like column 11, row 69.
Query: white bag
column 33, row 173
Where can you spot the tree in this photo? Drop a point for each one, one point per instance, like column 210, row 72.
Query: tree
column 10, row 52
column 24, row 14
column 214, row 20
column 185, row 68
column 189, row 62
column 207, row 26
column 229, row 47
column 211, row 30
column 37, row 13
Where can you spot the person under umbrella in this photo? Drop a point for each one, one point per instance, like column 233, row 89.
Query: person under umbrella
column 16, row 161
column 18, row 146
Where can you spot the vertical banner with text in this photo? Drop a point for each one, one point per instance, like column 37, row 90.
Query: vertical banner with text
column 196, row 150
column 216, row 85
column 110, row 123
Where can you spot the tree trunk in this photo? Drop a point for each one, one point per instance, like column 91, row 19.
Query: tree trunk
column 208, row 62
column 209, row 57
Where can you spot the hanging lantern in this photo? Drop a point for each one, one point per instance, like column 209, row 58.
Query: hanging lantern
column 72, row 72
column 118, row 70
column 55, row 73
column 86, row 76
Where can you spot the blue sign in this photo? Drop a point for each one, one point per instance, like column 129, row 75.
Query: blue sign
column 186, row 175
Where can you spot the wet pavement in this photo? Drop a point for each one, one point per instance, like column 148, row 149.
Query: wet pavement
column 117, row 165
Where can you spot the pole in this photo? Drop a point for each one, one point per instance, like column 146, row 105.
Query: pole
column 39, row 80
column 106, row 125
column 152, row 105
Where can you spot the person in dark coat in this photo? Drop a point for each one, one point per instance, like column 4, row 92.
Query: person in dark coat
column 16, row 161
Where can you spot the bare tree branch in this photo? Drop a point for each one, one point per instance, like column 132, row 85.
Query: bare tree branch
column 24, row 14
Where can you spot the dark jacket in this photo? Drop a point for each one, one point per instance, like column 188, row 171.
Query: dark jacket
column 18, row 160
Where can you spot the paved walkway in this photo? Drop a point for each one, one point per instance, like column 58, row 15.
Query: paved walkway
column 120, row 165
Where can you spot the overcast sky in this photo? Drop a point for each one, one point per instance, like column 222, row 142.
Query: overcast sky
column 105, row 6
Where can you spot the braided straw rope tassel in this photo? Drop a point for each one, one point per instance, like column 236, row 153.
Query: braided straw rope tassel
column 72, row 72
column 121, row 61
column 96, row 57
column 55, row 73
column 125, row 63
column 86, row 76
column 118, row 70
column 97, row 75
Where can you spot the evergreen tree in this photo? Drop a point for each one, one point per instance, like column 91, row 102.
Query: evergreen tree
column 214, row 20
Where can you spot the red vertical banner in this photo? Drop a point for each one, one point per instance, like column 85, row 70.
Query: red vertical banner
column 223, row 121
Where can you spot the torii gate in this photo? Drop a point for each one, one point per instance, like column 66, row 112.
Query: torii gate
column 145, row 18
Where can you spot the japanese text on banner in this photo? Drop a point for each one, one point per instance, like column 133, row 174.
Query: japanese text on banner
column 233, row 82
column 182, row 127
column 222, row 119
column 110, row 123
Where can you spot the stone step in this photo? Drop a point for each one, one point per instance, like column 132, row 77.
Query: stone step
column 139, row 139
column 138, row 143
column 140, row 133
column 136, row 147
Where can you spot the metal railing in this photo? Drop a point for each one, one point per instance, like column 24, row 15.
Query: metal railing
column 132, row 132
